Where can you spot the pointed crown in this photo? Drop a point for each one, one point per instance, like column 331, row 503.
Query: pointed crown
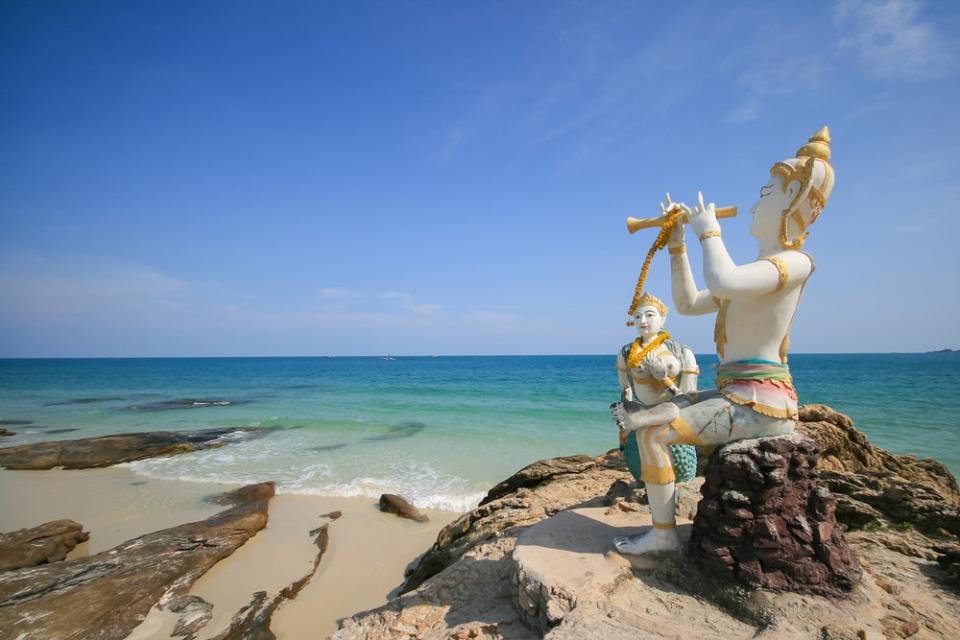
column 811, row 168
column 647, row 300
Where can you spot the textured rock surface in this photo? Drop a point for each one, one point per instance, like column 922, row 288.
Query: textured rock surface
column 108, row 594
column 469, row 585
column 535, row 492
column 391, row 503
column 4, row 432
column 48, row 542
column 104, row 451
column 766, row 521
column 875, row 487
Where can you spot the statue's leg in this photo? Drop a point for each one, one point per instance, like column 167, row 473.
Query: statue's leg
column 711, row 420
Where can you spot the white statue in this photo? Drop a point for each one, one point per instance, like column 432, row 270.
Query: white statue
column 655, row 368
column 755, row 304
column 657, row 363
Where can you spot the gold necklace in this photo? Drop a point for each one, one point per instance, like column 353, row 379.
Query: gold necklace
column 638, row 352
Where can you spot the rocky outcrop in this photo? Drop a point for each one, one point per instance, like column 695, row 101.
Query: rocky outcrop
column 535, row 492
column 107, row 595
column 471, row 585
column 766, row 521
column 85, row 453
column 4, row 432
column 875, row 487
column 391, row 503
column 48, row 542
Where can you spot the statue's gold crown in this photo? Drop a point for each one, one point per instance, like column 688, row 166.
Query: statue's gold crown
column 818, row 146
column 647, row 300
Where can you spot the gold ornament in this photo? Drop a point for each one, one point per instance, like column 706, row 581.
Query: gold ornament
column 639, row 351
column 673, row 218
column 802, row 171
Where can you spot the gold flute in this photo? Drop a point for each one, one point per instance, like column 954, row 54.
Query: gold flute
column 634, row 224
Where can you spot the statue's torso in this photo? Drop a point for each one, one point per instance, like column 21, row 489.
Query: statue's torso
column 646, row 389
column 757, row 327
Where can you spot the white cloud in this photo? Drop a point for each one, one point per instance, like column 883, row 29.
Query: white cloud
column 891, row 40
column 339, row 294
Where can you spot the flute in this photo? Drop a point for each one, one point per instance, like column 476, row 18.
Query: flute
column 634, row 224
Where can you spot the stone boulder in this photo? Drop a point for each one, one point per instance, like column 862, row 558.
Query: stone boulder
column 766, row 521
column 48, row 542
column 85, row 453
column 875, row 487
column 392, row 503
column 108, row 594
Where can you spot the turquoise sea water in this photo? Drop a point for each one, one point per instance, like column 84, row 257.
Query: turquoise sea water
column 439, row 430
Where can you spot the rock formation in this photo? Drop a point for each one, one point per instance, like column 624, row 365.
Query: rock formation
column 85, row 453
column 390, row 503
column 508, row 570
column 766, row 521
column 48, row 542
column 108, row 594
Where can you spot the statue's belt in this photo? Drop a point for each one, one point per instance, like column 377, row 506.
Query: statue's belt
column 752, row 370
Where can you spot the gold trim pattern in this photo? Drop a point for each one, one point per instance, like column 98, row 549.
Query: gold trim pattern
column 688, row 435
column 657, row 475
column 782, row 272
column 677, row 251
column 720, row 328
column 664, row 526
column 709, row 234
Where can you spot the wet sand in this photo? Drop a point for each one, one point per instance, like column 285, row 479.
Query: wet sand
column 367, row 553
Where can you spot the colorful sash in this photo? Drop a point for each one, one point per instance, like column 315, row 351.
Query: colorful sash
column 764, row 386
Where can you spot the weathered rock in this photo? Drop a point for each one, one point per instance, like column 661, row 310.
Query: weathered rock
column 391, row 503
column 538, row 491
column 107, row 595
column 766, row 521
column 85, row 453
column 875, row 487
column 4, row 432
column 48, row 542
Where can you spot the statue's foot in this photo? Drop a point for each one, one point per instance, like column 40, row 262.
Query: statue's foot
column 653, row 541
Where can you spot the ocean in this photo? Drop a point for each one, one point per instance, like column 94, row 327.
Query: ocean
column 439, row 430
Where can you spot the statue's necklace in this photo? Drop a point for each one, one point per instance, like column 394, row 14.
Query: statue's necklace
column 639, row 351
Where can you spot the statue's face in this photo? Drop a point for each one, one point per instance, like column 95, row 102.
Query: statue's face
column 769, row 209
column 648, row 321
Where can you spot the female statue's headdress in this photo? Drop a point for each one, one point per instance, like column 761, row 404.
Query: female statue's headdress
column 811, row 168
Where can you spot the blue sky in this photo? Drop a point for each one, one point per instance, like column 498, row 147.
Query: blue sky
column 305, row 178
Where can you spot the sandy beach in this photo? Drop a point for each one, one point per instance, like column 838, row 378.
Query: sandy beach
column 364, row 562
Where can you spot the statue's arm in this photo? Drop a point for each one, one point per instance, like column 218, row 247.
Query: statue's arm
column 622, row 376
column 726, row 279
column 691, row 372
column 687, row 298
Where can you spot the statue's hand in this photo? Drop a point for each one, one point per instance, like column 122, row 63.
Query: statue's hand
column 676, row 234
column 655, row 366
column 703, row 218
column 619, row 413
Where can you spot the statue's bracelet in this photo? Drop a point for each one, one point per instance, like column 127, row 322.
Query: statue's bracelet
column 678, row 250
column 709, row 234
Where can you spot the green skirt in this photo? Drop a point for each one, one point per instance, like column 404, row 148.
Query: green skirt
column 684, row 459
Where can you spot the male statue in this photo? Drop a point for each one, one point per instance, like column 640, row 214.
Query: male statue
column 755, row 304
column 652, row 369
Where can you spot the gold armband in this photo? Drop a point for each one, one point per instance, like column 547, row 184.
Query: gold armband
column 782, row 272
column 709, row 234
column 696, row 371
column 677, row 251
column 667, row 382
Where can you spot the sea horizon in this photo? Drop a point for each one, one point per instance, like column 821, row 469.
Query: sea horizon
column 441, row 430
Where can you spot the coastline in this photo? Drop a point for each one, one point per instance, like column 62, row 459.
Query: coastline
column 365, row 560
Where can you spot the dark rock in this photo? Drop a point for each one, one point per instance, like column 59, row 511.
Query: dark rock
column 539, row 472
column 391, row 503
column 185, row 403
column 72, row 401
column 784, row 539
column 107, row 595
column 49, row 542
column 69, row 430
column 396, row 432
column 9, row 422
column 4, row 432
column 104, row 451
